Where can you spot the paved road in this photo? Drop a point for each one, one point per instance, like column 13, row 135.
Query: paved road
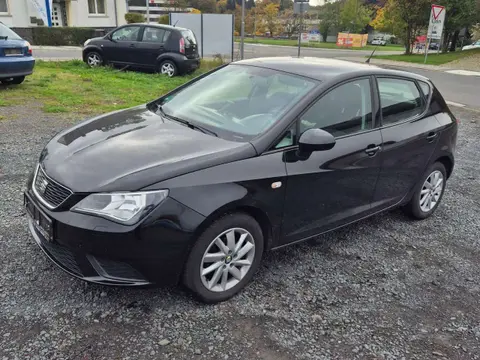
column 456, row 88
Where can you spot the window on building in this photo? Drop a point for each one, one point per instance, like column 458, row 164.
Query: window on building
column 95, row 6
column 400, row 100
column 3, row 6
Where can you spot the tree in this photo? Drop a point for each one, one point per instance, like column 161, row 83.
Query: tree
column 404, row 18
column 222, row 6
column 329, row 16
column 459, row 14
column 270, row 16
column 285, row 5
column 195, row 11
column 290, row 22
column 354, row 16
column 205, row 6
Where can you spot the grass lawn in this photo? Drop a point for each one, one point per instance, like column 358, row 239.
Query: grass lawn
column 432, row 59
column 71, row 86
column 323, row 45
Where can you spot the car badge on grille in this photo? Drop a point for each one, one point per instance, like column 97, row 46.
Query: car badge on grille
column 42, row 186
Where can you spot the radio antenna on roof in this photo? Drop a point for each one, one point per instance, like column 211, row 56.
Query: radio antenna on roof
column 368, row 60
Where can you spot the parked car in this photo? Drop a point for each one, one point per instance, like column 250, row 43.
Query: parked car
column 197, row 185
column 380, row 42
column 16, row 60
column 475, row 45
column 433, row 46
column 167, row 49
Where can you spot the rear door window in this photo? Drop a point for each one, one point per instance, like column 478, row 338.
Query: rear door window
column 400, row 100
column 152, row 34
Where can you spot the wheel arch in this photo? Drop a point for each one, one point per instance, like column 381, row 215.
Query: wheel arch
column 447, row 161
column 90, row 49
column 259, row 215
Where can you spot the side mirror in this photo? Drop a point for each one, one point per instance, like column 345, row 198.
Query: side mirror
column 315, row 140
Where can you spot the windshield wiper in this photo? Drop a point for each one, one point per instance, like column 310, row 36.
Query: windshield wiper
column 187, row 123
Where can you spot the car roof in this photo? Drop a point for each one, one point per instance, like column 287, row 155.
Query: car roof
column 323, row 69
column 162, row 26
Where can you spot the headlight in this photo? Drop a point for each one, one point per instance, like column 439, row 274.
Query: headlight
column 86, row 42
column 126, row 207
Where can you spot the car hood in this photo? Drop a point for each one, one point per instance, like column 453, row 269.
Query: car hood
column 130, row 149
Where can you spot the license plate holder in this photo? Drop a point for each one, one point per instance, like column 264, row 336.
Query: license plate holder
column 41, row 222
column 13, row 52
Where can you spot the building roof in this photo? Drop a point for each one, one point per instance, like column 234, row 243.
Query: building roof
column 322, row 68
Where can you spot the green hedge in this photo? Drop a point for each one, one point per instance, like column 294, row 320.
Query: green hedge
column 63, row 36
column 133, row 18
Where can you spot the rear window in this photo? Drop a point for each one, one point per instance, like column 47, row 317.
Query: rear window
column 189, row 37
column 6, row 33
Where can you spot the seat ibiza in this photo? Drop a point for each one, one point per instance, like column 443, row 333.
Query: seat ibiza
column 197, row 185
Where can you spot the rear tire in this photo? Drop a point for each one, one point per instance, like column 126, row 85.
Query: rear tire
column 224, row 258
column 94, row 59
column 13, row 81
column 169, row 68
column 428, row 193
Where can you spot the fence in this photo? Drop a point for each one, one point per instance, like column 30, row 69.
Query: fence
column 214, row 32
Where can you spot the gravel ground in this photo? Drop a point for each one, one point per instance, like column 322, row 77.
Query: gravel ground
column 385, row 288
column 471, row 63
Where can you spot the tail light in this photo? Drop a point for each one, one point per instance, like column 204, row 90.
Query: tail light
column 182, row 45
column 29, row 48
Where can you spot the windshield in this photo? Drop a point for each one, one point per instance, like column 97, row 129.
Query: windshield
column 238, row 102
column 5, row 32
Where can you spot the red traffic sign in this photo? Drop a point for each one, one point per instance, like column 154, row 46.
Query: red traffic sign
column 437, row 10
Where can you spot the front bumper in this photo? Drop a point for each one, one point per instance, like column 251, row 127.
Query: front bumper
column 16, row 66
column 100, row 251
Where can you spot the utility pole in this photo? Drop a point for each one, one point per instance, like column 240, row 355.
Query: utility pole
column 148, row 11
column 242, row 31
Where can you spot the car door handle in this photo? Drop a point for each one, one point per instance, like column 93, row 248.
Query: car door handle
column 132, row 45
column 431, row 136
column 371, row 150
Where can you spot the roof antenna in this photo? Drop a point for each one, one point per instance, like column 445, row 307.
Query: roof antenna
column 175, row 23
column 368, row 60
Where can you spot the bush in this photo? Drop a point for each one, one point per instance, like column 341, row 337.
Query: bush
column 62, row 36
column 132, row 18
column 164, row 19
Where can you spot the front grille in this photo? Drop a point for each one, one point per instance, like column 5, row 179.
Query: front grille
column 62, row 255
column 51, row 192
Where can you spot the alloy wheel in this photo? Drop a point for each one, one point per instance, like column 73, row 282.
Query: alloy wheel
column 431, row 191
column 227, row 259
column 94, row 60
column 168, row 69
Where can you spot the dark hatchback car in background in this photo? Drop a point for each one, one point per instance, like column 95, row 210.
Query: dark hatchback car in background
column 256, row 155
column 167, row 49
column 16, row 60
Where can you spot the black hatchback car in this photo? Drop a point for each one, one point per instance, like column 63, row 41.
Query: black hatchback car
column 197, row 185
column 167, row 49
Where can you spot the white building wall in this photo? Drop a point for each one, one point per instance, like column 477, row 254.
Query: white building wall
column 20, row 12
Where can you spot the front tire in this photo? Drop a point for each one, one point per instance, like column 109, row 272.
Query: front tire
column 224, row 258
column 94, row 59
column 169, row 68
column 428, row 193
column 13, row 81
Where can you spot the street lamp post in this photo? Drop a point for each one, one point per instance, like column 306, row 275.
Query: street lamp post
column 148, row 11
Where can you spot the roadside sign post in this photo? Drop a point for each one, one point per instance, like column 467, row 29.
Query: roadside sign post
column 435, row 26
column 299, row 7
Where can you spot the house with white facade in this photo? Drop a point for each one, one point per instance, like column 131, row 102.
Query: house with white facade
column 80, row 13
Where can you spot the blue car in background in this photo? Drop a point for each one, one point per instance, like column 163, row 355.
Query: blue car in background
column 16, row 60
